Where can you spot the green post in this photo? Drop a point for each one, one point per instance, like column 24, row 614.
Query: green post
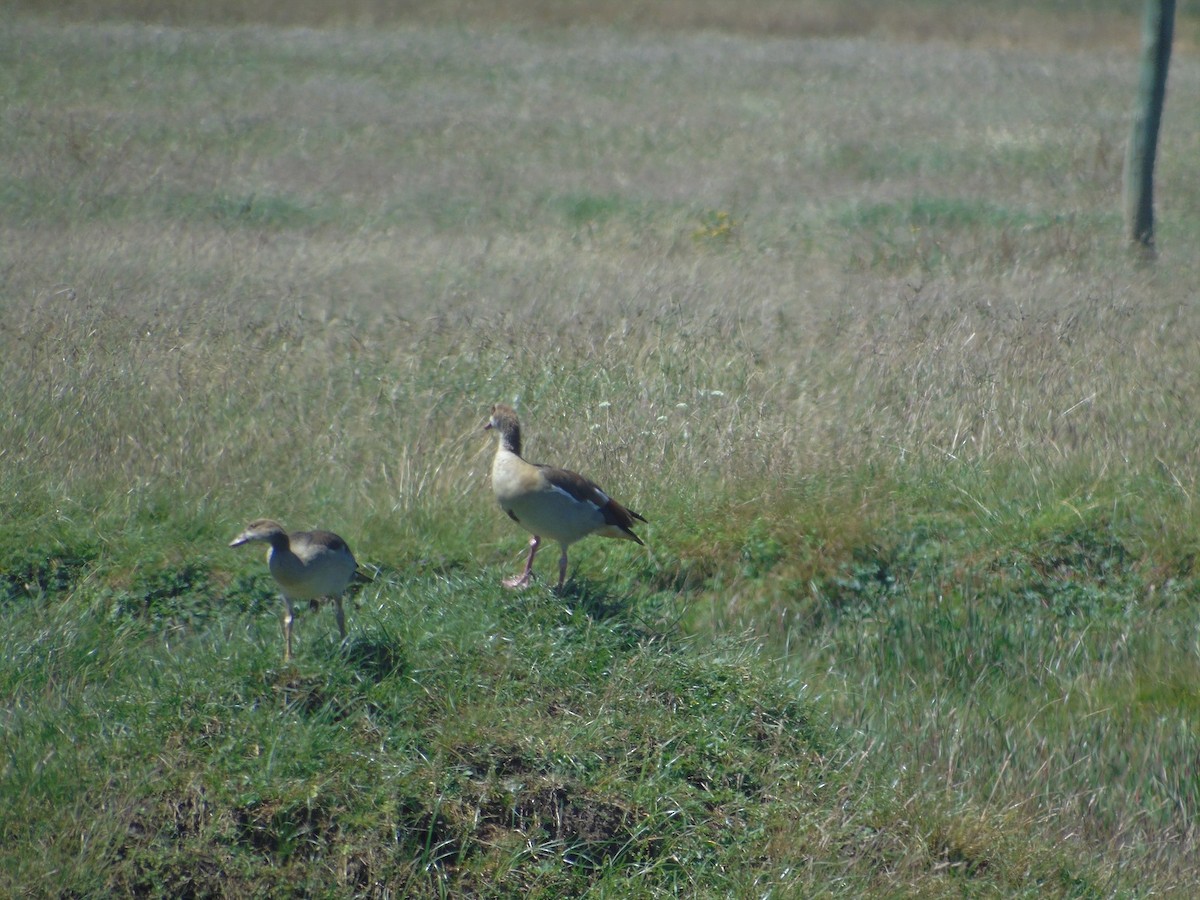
column 1158, row 25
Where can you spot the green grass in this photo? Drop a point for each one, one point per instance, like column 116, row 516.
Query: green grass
column 844, row 311
column 502, row 746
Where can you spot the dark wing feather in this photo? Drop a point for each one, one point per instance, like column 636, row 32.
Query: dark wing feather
column 587, row 491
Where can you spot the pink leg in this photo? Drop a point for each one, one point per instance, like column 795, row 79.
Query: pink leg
column 522, row 580
column 562, row 568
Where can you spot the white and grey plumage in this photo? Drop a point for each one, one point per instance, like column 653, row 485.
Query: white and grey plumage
column 307, row 565
column 550, row 502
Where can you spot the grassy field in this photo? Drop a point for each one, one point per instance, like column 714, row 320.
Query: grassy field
column 840, row 302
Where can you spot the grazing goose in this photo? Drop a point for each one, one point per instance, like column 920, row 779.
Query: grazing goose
column 307, row 565
column 557, row 504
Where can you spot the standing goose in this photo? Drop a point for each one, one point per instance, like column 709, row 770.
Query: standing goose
column 557, row 504
column 307, row 565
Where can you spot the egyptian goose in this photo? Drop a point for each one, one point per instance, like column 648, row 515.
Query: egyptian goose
column 307, row 565
column 557, row 504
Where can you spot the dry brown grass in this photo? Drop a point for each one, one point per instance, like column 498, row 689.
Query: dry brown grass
column 344, row 231
column 1027, row 24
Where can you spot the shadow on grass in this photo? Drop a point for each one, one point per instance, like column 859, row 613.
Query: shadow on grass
column 376, row 657
column 595, row 601
column 638, row 618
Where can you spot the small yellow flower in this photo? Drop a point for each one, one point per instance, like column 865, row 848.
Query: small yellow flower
column 715, row 226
